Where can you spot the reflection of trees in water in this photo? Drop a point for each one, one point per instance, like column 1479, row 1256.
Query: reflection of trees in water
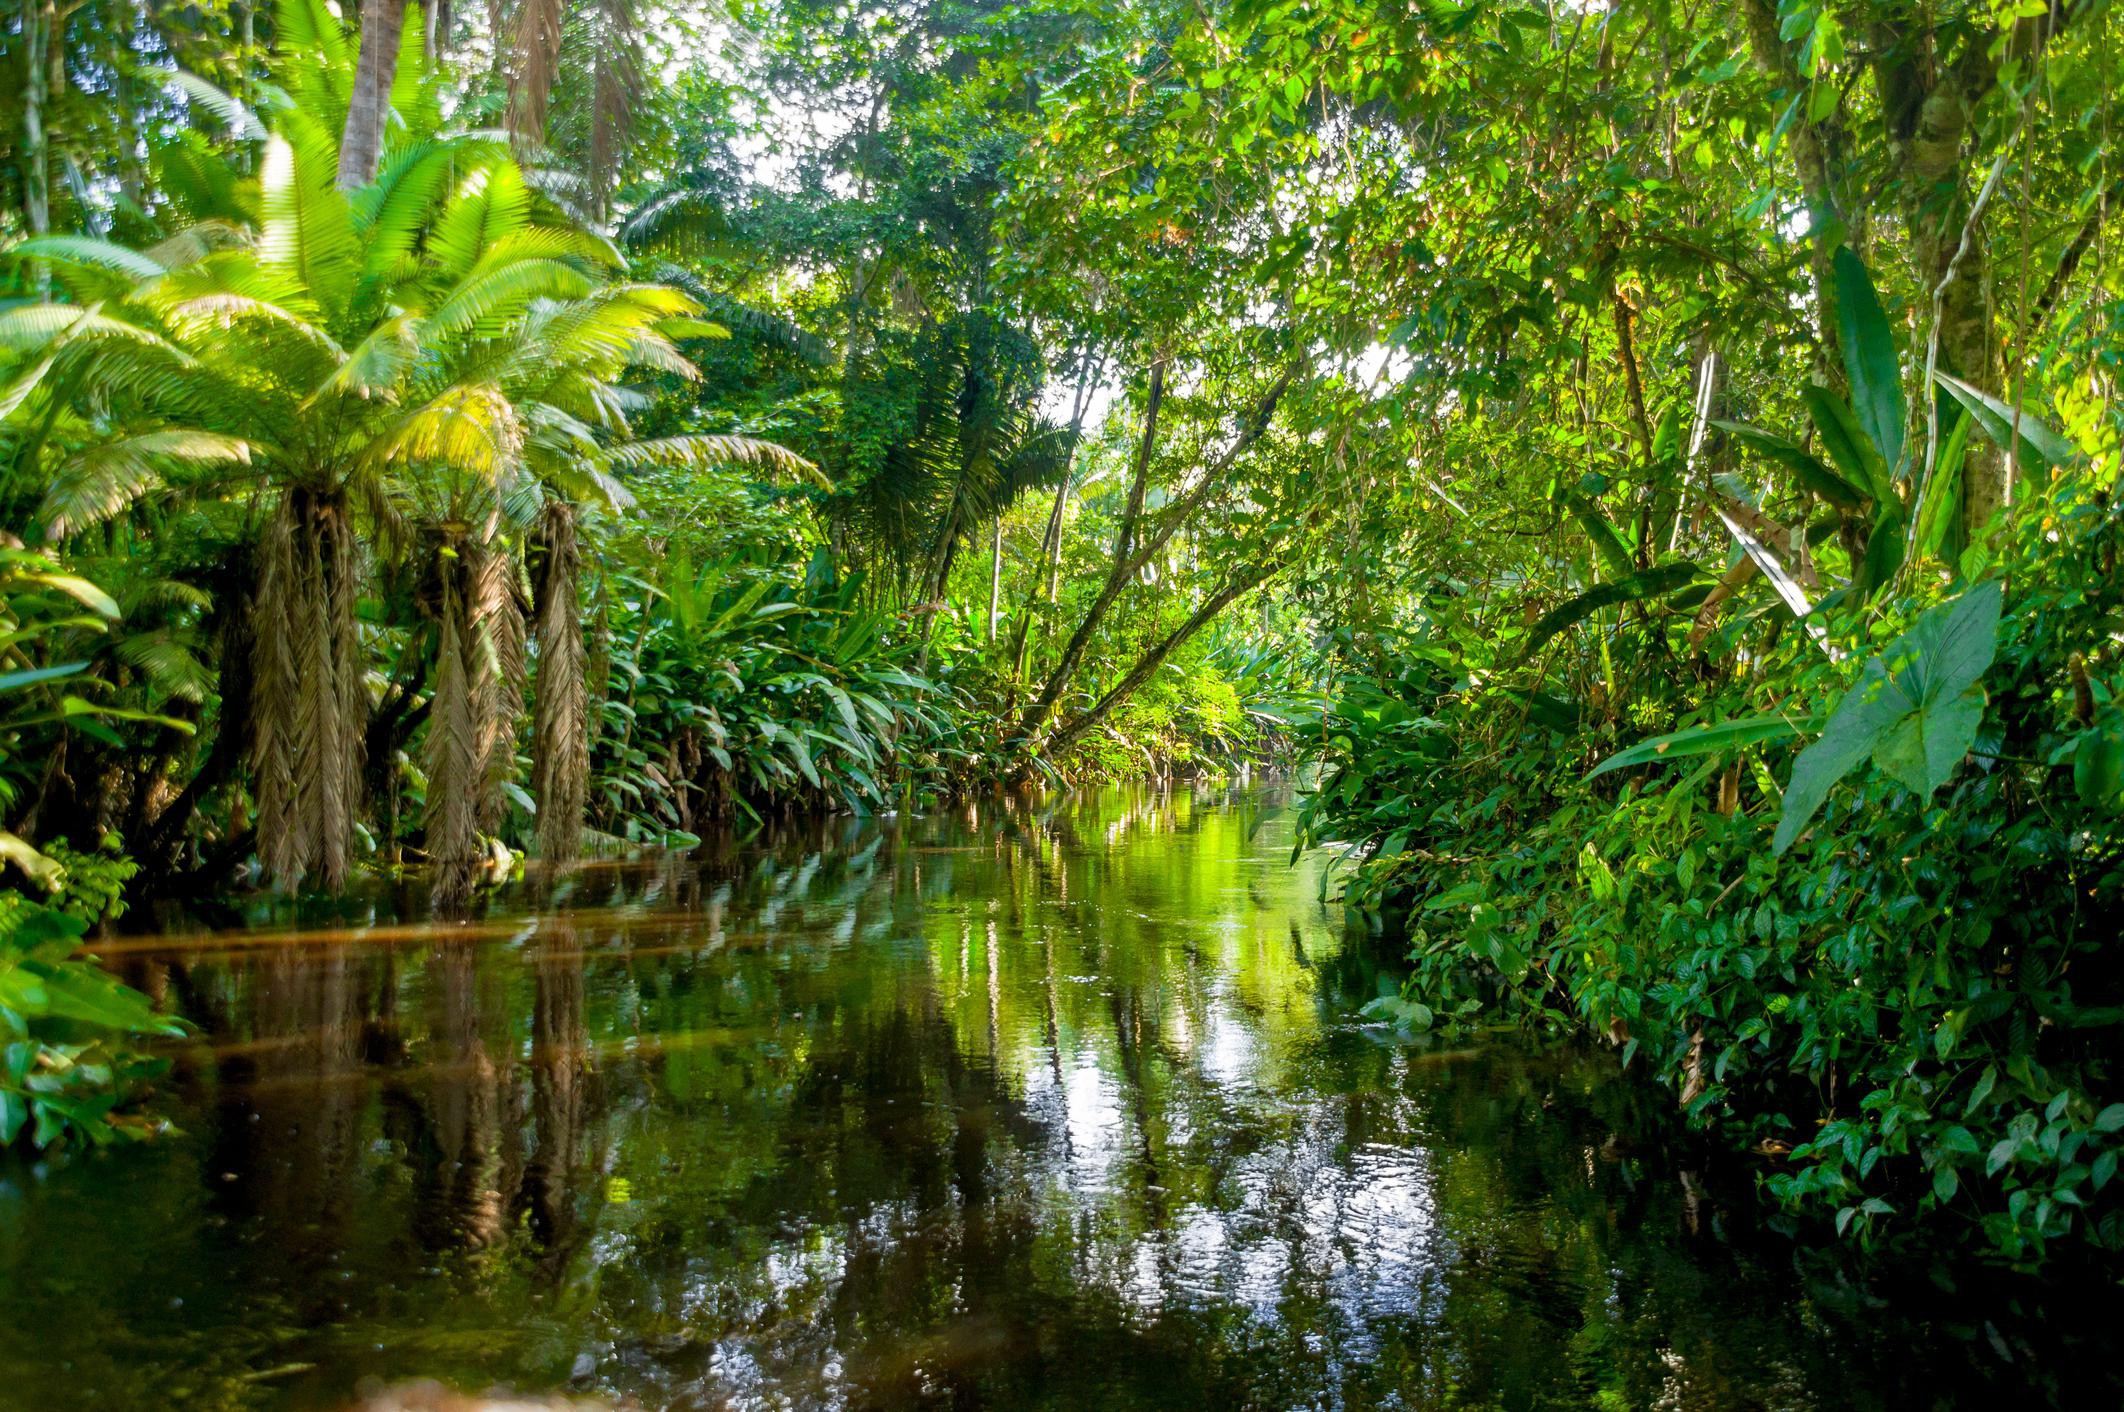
column 551, row 1191
column 1053, row 1101
column 464, row 1088
column 287, row 1136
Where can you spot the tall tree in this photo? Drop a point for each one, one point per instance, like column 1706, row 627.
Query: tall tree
column 368, row 105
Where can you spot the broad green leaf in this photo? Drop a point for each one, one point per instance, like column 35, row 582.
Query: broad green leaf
column 2040, row 446
column 1813, row 474
column 1701, row 740
column 81, row 590
column 10, row 681
column 1885, row 546
column 1915, row 709
column 1922, row 749
column 1607, row 543
column 1647, row 583
column 47, row 873
column 1870, row 358
column 1942, row 511
column 1846, row 442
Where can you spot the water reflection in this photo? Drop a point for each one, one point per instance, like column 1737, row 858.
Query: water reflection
column 1050, row 1103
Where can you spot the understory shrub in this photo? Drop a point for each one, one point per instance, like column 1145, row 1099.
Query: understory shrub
column 1913, row 1011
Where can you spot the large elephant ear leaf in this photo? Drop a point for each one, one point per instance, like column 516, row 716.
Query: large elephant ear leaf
column 1915, row 709
column 1938, row 663
column 1869, row 358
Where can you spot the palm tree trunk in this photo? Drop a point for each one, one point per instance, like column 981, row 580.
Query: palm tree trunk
column 472, row 723
column 453, row 757
column 361, row 145
column 537, row 45
column 560, row 723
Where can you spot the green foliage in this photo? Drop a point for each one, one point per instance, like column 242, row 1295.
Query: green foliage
column 737, row 687
column 1890, row 1004
column 1915, row 710
column 63, row 1065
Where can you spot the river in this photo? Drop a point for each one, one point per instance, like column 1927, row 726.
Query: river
column 1068, row 1103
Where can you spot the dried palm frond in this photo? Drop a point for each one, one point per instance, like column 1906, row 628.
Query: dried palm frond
column 618, row 75
column 538, row 48
column 307, row 704
column 560, row 726
column 453, row 758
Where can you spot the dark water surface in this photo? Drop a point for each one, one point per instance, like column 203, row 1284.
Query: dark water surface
column 1064, row 1104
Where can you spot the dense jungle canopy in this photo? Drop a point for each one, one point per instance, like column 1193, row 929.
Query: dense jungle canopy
column 1655, row 461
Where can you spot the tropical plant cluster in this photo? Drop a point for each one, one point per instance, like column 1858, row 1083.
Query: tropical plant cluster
column 1658, row 460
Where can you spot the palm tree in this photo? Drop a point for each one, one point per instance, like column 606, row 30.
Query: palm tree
column 436, row 340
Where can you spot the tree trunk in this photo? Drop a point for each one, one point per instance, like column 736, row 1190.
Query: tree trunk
column 1068, row 735
column 1130, row 556
column 1117, row 577
column 37, row 23
column 1051, row 543
column 1939, row 210
column 471, row 723
column 995, row 582
column 361, row 146
column 1817, row 152
column 560, row 723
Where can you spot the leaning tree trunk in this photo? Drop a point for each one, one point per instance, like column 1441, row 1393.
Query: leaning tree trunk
column 307, row 704
column 361, row 145
column 560, row 722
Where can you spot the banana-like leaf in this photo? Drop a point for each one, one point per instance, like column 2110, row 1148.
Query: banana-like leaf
column 1648, row 583
column 30, row 676
column 46, row 872
column 1702, row 740
column 80, row 590
column 2041, row 447
column 1812, row 473
column 1846, row 442
column 1869, row 357
column 1607, row 543
column 1942, row 511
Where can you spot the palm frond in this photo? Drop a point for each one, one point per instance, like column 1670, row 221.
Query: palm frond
column 485, row 302
column 307, row 227
column 101, row 480
column 238, row 121
column 489, row 203
column 700, row 451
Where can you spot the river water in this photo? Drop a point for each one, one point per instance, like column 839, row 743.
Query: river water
column 1045, row 1104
